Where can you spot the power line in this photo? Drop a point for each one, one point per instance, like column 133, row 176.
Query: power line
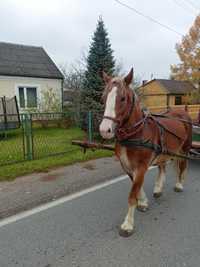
column 192, row 4
column 181, row 6
column 148, row 17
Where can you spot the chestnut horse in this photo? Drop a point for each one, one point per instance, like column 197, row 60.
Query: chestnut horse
column 143, row 140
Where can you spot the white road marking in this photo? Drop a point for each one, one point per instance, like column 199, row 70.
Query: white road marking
column 60, row 201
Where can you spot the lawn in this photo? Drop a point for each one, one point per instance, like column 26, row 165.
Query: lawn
column 11, row 147
column 52, row 147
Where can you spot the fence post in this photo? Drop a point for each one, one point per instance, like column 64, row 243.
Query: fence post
column 90, row 126
column 28, row 138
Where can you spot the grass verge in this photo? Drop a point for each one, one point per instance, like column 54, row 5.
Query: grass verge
column 46, row 142
column 10, row 172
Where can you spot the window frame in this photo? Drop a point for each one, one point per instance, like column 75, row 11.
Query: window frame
column 180, row 98
column 21, row 98
column 26, row 86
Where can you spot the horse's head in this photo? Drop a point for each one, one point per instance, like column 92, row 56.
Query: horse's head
column 118, row 100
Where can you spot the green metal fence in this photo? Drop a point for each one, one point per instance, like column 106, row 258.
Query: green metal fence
column 42, row 135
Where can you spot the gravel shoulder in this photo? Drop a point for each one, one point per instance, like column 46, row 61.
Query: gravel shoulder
column 32, row 190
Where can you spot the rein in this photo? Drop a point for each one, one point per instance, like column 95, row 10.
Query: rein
column 124, row 139
column 172, row 118
column 158, row 149
column 123, row 134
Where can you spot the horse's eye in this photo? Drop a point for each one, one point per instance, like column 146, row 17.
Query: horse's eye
column 102, row 100
column 114, row 83
column 122, row 99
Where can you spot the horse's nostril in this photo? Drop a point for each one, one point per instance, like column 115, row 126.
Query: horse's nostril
column 109, row 130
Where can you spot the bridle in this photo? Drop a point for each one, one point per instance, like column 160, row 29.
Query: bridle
column 127, row 135
column 121, row 122
column 111, row 119
column 123, row 132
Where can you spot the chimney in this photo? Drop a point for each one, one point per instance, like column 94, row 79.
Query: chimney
column 144, row 82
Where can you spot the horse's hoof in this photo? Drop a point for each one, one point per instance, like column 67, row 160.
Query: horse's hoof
column 125, row 233
column 157, row 194
column 178, row 189
column 142, row 208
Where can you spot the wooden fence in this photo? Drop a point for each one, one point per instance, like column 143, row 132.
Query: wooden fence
column 192, row 109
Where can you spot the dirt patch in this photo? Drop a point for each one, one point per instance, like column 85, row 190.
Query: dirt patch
column 49, row 177
column 89, row 166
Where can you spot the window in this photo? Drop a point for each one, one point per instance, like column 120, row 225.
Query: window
column 27, row 97
column 21, row 97
column 31, row 94
column 178, row 100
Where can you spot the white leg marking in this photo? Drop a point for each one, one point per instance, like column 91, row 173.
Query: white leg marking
column 128, row 223
column 179, row 186
column 159, row 182
column 181, row 168
column 142, row 199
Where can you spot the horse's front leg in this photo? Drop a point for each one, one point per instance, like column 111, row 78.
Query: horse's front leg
column 128, row 225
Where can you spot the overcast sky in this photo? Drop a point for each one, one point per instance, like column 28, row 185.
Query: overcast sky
column 65, row 27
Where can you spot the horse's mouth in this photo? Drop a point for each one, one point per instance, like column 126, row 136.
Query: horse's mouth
column 107, row 135
column 107, row 129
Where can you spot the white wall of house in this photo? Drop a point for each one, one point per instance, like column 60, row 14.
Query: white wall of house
column 9, row 87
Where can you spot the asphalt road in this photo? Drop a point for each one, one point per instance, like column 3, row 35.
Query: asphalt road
column 84, row 231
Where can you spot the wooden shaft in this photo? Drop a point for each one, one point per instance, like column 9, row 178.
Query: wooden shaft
column 86, row 144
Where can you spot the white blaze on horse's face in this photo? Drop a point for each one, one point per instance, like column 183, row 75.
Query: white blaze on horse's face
column 107, row 126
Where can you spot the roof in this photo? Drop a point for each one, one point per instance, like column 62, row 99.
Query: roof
column 27, row 61
column 175, row 87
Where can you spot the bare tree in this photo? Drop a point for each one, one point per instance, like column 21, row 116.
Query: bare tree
column 73, row 84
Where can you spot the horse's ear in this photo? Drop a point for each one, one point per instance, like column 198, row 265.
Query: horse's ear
column 128, row 79
column 105, row 77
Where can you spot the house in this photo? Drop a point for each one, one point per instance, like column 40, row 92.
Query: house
column 162, row 92
column 28, row 72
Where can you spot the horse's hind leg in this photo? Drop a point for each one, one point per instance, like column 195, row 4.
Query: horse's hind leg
column 160, row 179
column 181, row 166
column 142, row 203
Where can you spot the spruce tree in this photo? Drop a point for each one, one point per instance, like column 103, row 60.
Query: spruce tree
column 100, row 57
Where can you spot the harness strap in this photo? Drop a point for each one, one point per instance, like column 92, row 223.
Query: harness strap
column 156, row 148
column 111, row 118
column 130, row 111
column 174, row 118
column 161, row 126
column 141, row 143
column 125, row 133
